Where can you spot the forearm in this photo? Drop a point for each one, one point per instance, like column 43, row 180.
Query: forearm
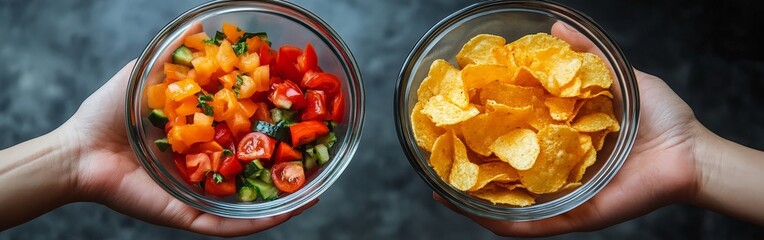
column 36, row 176
column 731, row 178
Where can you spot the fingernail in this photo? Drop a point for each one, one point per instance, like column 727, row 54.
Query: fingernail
column 569, row 27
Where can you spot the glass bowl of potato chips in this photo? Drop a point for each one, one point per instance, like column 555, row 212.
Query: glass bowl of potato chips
column 505, row 119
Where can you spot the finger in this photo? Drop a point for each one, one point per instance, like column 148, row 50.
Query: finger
column 577, row 41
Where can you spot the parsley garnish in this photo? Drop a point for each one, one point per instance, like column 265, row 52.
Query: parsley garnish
column 240, row 48
column 237, row 87
column 219, row 37
column 217, row 177
column 202, row 103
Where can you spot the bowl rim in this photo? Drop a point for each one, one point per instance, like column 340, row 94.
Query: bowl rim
column 629, row 119
column 321, row 180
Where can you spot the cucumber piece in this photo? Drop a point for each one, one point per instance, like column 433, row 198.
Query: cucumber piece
column 280, row 115
column 247, row 193
column 163, row 144
column 265, row 175
column 253, row 168
column 265, row 190
column 182, row 55
column 157, row 118
column 323, row 153
column 310, row 151
column 310, row 162
column 328, row 140
column 277, row 131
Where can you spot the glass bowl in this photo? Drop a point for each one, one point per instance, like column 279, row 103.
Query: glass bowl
column 512, row 20
column 286, row 24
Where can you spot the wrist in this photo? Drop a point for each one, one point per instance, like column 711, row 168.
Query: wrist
column 65, row 159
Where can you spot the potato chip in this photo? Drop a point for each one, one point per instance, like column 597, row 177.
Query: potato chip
column 494, row 171
column 594, row 72
column 517, row 197
column 560, row 152
column 425, row 131
column 525, row 48
column 560, row 108
column 577, row 173
column 595, row 122
column 479, row 137
column 593, row 92
column 571, row 90
column 570, row 185
column 464, row 174
column 444, row 79
column 477, row 76
column 525, row 77
column 442, row 112
column 524, row 111
column 555, row 67
column 599, row 104
column 510, row 94
column 519, row 148
column 541, row 117
column 478, row 50
column 442, row 156
column 598, row 138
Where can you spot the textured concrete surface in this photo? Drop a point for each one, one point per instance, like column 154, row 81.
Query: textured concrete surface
column 56, row 53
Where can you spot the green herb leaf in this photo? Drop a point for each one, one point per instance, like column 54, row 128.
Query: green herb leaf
column 240, row 48
column 244, row 37
column 209, row 41
column 202, row 103
column 239, row 80
column 217, row 177
column 227, row 152
column 219, row 37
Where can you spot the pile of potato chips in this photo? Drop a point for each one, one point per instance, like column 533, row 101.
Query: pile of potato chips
column 518, row 120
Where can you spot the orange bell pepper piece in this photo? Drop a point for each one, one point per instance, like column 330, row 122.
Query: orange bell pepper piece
column 203, row 120
column 196, row 41
column 204, row 67
column 187, row 107
column 226, row 57
column 247, row 107
column 224, row 104
column 206, row 147
column 232, row 32
column 155, row 95
column 262, row 77
column 239, row 123
column 175, row 140
column 190, row 134
column 182, row 89
column 248, row 62
column 175, row 71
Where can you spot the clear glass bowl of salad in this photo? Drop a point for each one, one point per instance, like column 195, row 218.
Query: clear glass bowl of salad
column 513, row 20
column 245, row 109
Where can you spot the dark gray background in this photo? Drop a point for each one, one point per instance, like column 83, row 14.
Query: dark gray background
column 56, row 53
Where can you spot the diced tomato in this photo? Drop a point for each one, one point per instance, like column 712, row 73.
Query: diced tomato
column 262, row 113
column 287, row 95
column 338, row 108
column 206, row 147
column 180, row 165
column 265, row 54
column 215, row 159
column 255, row 145
column 285, row 153
column 222, row 189
column 201, row 162
column 307, row 61
column 223, row 134
column 230, row 167
column 315, row 108
column 288, row 176
column 322, row 81
column 307, row 131
column 286, row 63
